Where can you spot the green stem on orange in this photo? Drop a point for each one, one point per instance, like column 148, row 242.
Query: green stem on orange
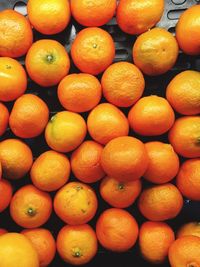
column 31, row 212
column 120, row 186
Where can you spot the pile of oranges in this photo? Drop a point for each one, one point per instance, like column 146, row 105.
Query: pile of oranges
column 97, row 137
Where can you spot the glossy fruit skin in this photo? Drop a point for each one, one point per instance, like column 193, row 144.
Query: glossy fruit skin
column 4, row 118
column 6, row 192
column 188, row 229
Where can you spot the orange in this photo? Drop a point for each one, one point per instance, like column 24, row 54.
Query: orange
column 191, row 228
column 5, row 194
column 106, row 122
column 65, row 131
column 93, row 50
column 79, row 92
column 125, row 158
column 160, row 202
column 77, row 244
column 155, row 239
column 4, row 118
column 185, row 251
column 30, row 207
column 136, row 17
column 85, row 162
column 119, row 194
column 81, row 203
column 151, row 116
column 123, row 84
column 50, row 171
column 16, row 249
column 117, row 230
column 183, row 92
column 163, row 162
column 49, row 16
column 185, row 136
column 44, row 243
column 0, row 171
column 189, row 25
column 16, row 34
column 29, row 116
column 13, row 79
column 93, row 13
column 47, row 62
column 3, row 231
column 16, row 158
column 155, row 52
column 188, row 179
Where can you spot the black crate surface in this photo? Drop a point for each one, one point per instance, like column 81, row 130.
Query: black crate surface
column 154, row 85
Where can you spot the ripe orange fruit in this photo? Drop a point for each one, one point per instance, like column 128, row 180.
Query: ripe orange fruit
column 188, row 179
column 160, row 202
column 50, row 171
column 151, row 116
column 189, row 25
column 49, row 17
column 155, row 52
column 77, row 244
column 16, row 35
column 44, row 243
column 5, row 194
column 163, row 162
column 79, row 92
column 155, row 239
column 125, row 159
column 185, row 251
column 93, row 50
column 65, row 131
column 93, row 13
column 3, row 231
column 30, row 207
column 0, row 171
column 119, row 194
column 13, row 79
column 29, row 116
column 81, row 203
column 4, row 118
column 136, row 17
column 16, row 249
column 47, row 62
column 106, row 122
column 85, row 162
column 183, row 92
column 117, row 230
column 16, row 158
column 123, row 84
column 185, row 136
column 191, row 228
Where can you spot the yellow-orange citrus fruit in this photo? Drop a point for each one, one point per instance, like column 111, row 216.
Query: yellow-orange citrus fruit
column 191, row 228
column 5, row 194
column 4, row 118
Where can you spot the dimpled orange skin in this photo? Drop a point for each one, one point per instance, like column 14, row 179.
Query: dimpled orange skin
column 160, row 202
column 85, row 162
column 163, row 162
column 29, row 116
column 136, row 17
column 93, row 13
column 125, row 159
column 155, row 239
column 119, row 194
column 3, row 231
column 47, row 62
column 117, row 230
column 151, row 116
column 123, row 84
column 77, row 244
column 15, row 30
column 189, row 25
column 106, row 122
column 75, row 203
column 155, row 52
column 49, row 16
column 16, row 158
column 5, row 194
column 13, row 79
column 191, row 228
column 4, row 118
column 79, row 92
column 30, row 207
column 93, row 50
column 184, row 136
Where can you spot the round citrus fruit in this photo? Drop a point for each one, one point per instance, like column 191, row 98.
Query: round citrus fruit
column 3, row 231
column 4, row 118
column 5, row 194
column 191, row 228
